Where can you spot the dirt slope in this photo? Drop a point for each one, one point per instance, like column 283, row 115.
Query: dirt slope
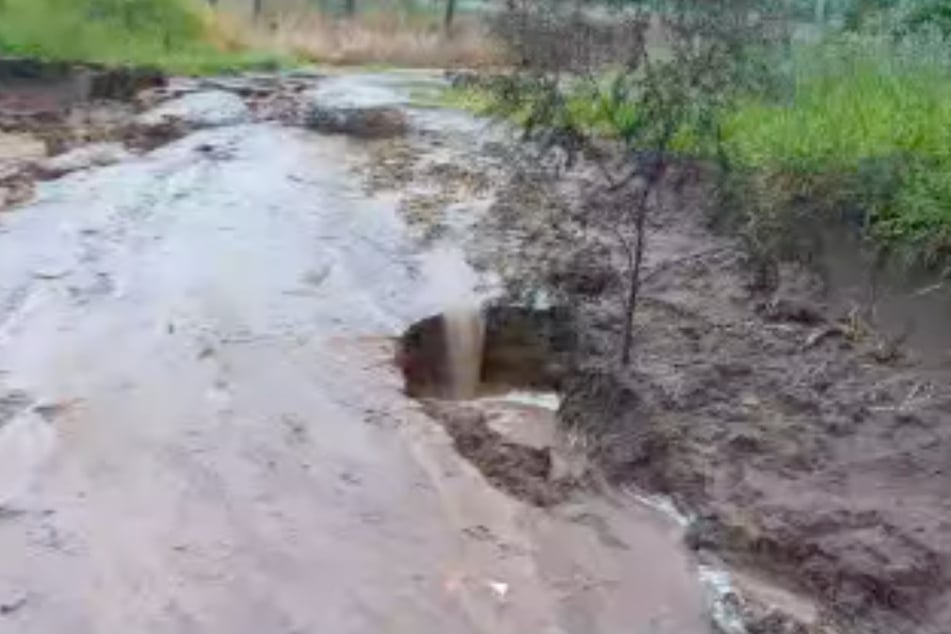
column 810, row 450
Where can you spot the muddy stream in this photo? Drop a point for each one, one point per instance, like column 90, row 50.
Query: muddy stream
column 202, row 428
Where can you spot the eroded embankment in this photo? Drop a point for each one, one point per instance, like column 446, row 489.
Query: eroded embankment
column 811, row 449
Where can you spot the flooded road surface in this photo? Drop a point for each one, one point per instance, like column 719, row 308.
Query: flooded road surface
column 201, row 429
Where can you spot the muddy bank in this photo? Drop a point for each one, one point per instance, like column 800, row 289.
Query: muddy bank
column 811, row 449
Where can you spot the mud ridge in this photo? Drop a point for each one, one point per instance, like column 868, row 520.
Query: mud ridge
column 523, row 472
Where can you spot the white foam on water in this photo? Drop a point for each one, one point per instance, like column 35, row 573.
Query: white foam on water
column 720, row 594
column 543, row 400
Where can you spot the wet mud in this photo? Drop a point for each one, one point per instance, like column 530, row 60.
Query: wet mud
column 522, row 351
column 808, row 445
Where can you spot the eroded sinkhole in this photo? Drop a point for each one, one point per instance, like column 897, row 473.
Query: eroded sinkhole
column 491, row 379
column 506, row 348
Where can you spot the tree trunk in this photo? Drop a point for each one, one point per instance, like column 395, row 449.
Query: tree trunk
column 655, row 173
column 351, row 8
column 450, row 14
column 258, row 8
column 820, row 12
column 634, row 281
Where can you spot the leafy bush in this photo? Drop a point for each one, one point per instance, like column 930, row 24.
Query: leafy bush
column 862, row 115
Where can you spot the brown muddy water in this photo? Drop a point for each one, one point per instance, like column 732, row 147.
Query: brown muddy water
column 464, row 336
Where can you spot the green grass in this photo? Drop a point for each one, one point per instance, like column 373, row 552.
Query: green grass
column 862, row 132
column 168, row 34
column 868, row 124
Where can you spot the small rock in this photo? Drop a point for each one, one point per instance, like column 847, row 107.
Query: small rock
column 245, row 85
column 500, row 588
column 95, row 155
column 462, row 79
column 362, row 122
column 13, row 603
column 16, row 147
column 15, row 193
column 205, row 109
column 147, row 137
column 787, row 309
column 123, row 82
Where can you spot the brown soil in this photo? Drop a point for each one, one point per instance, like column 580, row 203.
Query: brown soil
column 522, row 471
column 522, row 349
column 364, row 123
column 810, row 450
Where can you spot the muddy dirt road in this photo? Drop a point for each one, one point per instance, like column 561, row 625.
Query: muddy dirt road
column 201, row 429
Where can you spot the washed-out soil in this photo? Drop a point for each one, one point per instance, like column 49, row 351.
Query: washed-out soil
column 522, row 349
column 808, row 447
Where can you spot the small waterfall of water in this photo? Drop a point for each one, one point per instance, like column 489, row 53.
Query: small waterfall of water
column 452, row 285
column 465, row 333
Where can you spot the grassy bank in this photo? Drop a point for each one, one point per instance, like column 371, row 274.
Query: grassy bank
column 860, row 129
column 865, row 131
column 175, row 35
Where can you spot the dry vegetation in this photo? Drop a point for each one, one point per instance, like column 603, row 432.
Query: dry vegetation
column 378, row 37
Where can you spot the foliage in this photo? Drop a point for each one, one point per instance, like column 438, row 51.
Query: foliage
column 868, row 127
column 165, row 33
column 857, row 129
column 858, row 12
column 934, row 15
column 651, row 81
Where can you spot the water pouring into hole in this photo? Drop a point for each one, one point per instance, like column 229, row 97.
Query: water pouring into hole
column 468, row 352
column 490, row 378
column 464, row 338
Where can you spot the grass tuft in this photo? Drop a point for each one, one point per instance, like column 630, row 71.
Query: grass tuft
column 871, row 121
